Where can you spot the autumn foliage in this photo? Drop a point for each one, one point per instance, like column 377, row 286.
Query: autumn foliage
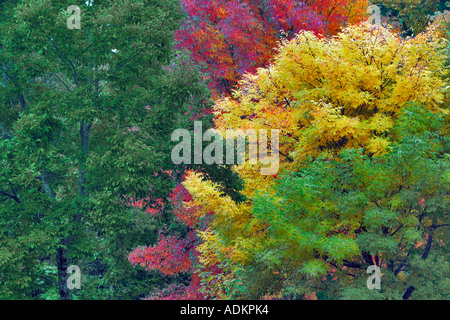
column 173, row 254
column 348, row 117
column 326, row 96
column 239, row 36
column 334, row 84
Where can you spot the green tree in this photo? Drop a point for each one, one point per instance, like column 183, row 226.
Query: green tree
column 335, row 217
column 411, row 16
column 86, row 117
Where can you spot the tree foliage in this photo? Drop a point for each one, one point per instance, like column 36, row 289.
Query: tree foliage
column 239, row 36
column 411, row 17
column 329, row 96
column 86, row 120
column 337, row 217
column 87, row 179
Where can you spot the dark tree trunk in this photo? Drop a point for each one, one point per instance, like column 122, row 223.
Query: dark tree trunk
column 408, row 292
column 63, row 263
column 428, row 247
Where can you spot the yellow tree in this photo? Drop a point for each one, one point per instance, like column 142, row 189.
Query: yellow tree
column 324, row 95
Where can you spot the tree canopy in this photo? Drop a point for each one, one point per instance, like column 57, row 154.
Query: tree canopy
column 354, row 114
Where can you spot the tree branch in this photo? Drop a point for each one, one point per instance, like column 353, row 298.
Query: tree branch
column 428, row 247
column 440, row 225
column 62, row 82
column 12, row 196
column 408, row 292
column 70, row 63
column 352, row 264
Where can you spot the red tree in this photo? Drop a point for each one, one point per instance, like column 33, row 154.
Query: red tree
column 238, row 36
column 173, row 254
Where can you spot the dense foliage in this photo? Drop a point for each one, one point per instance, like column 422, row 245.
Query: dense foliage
column 239, row 36
column 86, row 137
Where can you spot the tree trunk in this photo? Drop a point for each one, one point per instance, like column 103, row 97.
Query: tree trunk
column 408, row 292
column 62, row 261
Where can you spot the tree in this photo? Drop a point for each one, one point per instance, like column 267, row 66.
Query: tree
column 239, row 36
column 210, row 29
column 86, row 118
column 334, row 218
column 176, row 253
column 410, row 17
column 325, row 96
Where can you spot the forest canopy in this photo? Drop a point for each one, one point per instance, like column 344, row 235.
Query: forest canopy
column 353, row 107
